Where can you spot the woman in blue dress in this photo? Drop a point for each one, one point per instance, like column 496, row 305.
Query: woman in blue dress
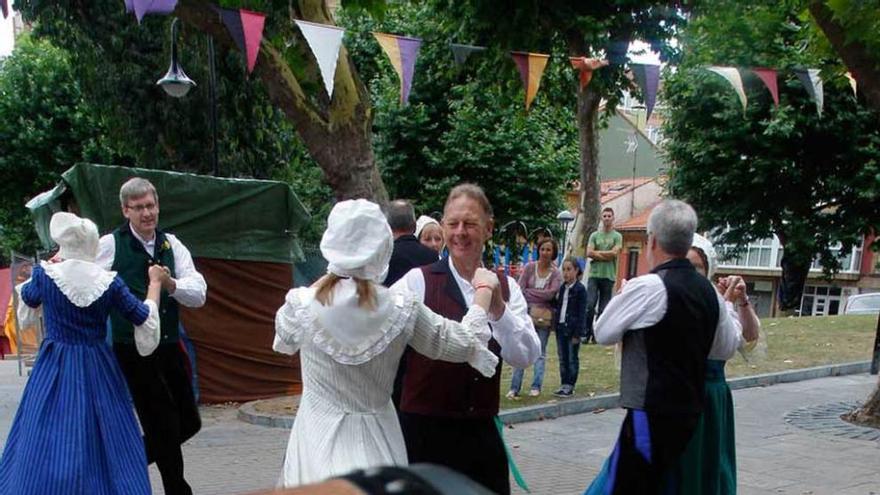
column 75, row 431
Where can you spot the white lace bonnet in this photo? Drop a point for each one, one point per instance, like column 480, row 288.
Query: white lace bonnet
column 77, row 238
column 358, row 241
column 708, row 249
column 423, row 222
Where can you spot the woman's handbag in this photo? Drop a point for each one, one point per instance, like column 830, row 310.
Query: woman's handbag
column 541, row 317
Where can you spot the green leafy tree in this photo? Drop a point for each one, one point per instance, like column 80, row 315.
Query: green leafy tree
column 465, row 123
column 45, row 126
column 812, row 180
column 602, row 29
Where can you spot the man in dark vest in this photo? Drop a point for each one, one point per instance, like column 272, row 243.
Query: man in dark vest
column 159, row 384
column 668, row 320
column 447, row 412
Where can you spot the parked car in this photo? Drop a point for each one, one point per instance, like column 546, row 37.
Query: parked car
column 863, row 304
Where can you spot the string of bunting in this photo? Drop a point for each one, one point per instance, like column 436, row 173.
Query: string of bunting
column 246, row 29
column 4, row 6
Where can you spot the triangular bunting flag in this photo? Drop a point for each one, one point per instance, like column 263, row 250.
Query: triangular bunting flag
column 402, row 52
column 648, row 78
column 246, row 29
column 531, row 67
column 586, row 66
column 324, row 41
column 735, row 80
column 144, row 7
column 853, row 84
column 461, row 52
column 813, row 84
column 4, row 6
column 769, row 78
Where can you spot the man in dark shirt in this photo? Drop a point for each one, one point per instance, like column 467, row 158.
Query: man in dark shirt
column 408, row 252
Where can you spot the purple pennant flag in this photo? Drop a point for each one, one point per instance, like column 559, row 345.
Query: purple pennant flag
column 232, row 19
column 409, row 51
column 4, row 6
column 648, row 78
column 144, row 7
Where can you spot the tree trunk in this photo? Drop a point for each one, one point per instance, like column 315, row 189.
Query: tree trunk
column 861, row 63
column 338, row 133
column 588, row 132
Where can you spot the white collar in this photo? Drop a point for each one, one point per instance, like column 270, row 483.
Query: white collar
column 138, row 236
column 82, row 282
column 351, row 334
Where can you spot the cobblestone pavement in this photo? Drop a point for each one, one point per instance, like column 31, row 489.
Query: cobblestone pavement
column 561, row 456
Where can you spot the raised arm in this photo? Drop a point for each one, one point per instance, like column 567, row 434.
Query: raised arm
column 513, row 329
column 189, row 287
column 144, row 315
column 290, row 321
column 640, row 304
column 447, row 340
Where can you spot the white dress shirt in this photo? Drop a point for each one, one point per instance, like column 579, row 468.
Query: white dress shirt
column 190, row 285
column 564, row 307
column 642, row 304
column 514, row 330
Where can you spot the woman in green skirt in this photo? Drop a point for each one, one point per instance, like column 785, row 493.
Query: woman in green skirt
column 708, row 465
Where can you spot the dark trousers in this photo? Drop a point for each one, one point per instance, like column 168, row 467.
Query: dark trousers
column 470, row 446
column 567, row 351
column 598, row 291
column 163, row 398
column 649, row 444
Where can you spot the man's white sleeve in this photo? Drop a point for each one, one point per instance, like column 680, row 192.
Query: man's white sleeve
column 515, row 331
column 106, row 252
column 641, row 304
column 413, row 281
column 728, row 333
column 191, row 287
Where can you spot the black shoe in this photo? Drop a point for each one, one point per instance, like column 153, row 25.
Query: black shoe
column 560, row 392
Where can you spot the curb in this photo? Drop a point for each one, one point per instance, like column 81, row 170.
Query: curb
column 248, row 413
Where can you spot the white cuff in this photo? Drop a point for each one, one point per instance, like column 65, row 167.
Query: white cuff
column 146, row 335
column 27, row 316
column 484, row 361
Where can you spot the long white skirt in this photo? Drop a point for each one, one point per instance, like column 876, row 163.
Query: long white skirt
column 327, row 441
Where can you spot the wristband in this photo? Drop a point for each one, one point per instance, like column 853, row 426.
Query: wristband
column 482, row 286
column 745, row 303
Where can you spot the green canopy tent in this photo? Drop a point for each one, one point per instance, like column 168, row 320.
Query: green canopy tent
column 243, row 237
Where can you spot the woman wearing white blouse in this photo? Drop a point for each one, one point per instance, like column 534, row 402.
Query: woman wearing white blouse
column 351, row 333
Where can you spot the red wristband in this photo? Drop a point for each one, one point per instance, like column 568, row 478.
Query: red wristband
column 482, row 286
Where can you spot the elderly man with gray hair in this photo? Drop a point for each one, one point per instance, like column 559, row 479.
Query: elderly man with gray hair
column 668, row 321
column 159, row 383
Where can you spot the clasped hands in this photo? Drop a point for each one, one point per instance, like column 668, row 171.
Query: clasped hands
column 487, row 278
column 161, row 275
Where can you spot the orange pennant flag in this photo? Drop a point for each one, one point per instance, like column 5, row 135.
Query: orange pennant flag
column 586, row 66
column 531, row 67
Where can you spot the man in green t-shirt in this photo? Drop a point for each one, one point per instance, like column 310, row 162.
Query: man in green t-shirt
column 602, row 248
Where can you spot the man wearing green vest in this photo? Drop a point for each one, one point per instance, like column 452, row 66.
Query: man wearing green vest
column 159, row 383
column 603, row 247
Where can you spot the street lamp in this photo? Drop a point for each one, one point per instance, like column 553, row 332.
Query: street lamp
column 175, row 82
column 564, row 218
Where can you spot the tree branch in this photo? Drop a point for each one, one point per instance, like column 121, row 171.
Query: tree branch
column 855, row 55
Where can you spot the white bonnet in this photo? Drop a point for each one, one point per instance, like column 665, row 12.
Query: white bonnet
column 705, row 245
column 423, row 222
column 77, row 238
column 358, row 241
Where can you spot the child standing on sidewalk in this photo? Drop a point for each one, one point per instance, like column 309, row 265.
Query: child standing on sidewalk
column 571, row 324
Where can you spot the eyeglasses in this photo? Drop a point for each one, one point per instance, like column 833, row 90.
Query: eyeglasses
column 142, row 208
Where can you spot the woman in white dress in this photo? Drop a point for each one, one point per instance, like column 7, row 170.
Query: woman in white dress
column 351, row 333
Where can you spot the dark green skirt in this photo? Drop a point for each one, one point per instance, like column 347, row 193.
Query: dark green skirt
column 708, row 465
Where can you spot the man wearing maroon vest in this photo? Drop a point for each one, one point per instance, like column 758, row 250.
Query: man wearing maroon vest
column 447, row 410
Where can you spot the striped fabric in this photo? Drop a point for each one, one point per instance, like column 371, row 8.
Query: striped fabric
column 75, row 431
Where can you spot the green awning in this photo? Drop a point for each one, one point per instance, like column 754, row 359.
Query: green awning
column 215, row 217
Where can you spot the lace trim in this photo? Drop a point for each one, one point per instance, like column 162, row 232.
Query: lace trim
column 402, row 314
column 81, row 282
column 304, row 321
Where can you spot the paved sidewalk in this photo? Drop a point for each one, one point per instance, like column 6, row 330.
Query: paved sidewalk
column 561, row 456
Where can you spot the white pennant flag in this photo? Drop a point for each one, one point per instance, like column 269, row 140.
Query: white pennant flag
column 735, row 80
column 324, row 41
column 813, row 84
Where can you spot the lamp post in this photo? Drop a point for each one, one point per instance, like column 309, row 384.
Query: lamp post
column 177, row 84
column 564, row 218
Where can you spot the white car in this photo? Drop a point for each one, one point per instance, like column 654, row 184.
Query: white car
column 863, row 304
